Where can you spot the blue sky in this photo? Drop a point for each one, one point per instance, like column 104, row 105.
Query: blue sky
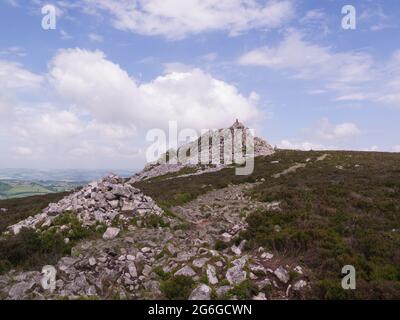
column 84, row 95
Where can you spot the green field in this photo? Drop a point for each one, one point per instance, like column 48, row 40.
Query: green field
column 10, row 189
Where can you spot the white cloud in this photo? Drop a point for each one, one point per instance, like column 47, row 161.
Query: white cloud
column 23, row 151
column 329, row 131
column 372, row 149
column 95, row 37
column 315, row 20
column 97, row 85
column 210, row 57
column 316, row 92
column 375, row 18
column 6, row 111
column 353, row 76
column 352, row 97
column 65, row 35
column 396, row 148
column 314, row 61
column 14, row 51
column 14, row 76
column 323, row 136
column 306, row 145
column 91, row 113
column 176, row 19
column 13, row 3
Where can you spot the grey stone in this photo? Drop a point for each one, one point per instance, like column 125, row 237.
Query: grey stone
column 18, row 291
column 132, row 270
column 199, row 263
column 212, row 274
column 221, row 291
column 202, row 292
column 186, row 271
column 260, row 296
column 111, row 233
column 236, row 275
column 282, row 274
column 299, row 285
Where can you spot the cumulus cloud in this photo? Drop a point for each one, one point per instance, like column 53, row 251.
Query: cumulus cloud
column 323, row 136
column 102, row 88
column 97, row 114
column 329, row 131
column 175, row 19
column 306, row 145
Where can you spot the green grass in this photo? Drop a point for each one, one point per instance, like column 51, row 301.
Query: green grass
column 31, row 249
column 177, row 287
column 333, row 217
column 181, row 190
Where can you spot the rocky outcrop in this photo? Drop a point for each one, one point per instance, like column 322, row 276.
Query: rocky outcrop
column 224, row 148
column 98, row 202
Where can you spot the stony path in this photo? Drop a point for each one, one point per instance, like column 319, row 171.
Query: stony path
column 297, row 166
column 129, row 265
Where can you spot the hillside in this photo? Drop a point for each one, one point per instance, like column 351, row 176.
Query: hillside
column 285, row 231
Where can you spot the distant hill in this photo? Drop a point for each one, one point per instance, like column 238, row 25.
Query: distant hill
column 18, row 189
column 4, row 187
column 19, row 183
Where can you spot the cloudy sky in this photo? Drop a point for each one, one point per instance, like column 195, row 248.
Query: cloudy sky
column 85, row 94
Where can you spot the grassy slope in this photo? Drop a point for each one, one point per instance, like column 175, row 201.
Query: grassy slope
column 330, row 217
column 20, row 209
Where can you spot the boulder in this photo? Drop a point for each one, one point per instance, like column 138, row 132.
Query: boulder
column 199, row 263
column 299, row 285
column 202, row 292
column 19, row 290
column 282, row 274
column 186, row 271
column 111, row 233
column 236, row 275
column 260, row 296
column 221, row 291
column 212, row 274
column 132, row 270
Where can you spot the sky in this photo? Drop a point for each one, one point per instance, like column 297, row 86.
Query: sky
column 85, row 94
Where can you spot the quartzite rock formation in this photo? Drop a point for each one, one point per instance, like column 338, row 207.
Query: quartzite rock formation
column 98, row 202
column 222, row 147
